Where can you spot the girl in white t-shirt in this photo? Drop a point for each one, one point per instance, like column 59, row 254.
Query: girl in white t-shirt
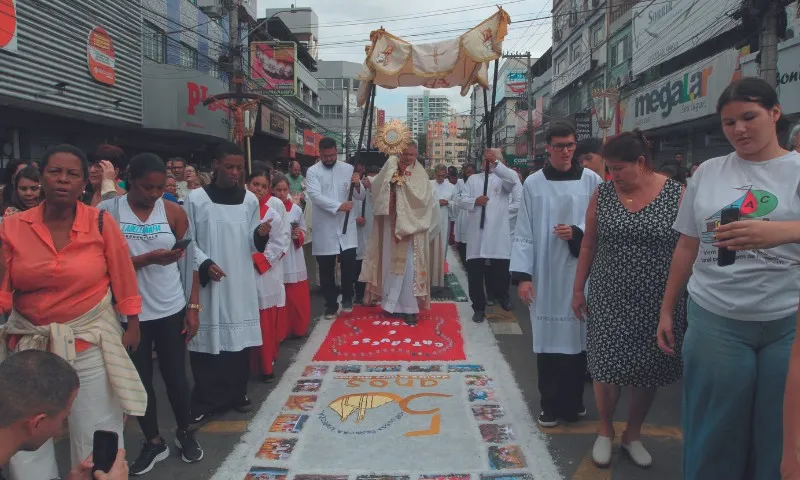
column 741, row 317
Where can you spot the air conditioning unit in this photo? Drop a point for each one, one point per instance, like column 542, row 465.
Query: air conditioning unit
column 212, row 8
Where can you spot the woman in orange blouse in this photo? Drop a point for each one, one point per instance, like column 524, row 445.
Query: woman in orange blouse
column 63, row 264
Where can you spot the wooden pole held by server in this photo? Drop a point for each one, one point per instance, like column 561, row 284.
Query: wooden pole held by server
column 490, row 132
column 367, row 109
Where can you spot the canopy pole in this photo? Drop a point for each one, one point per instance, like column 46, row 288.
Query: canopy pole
column 369, row 143
column 367, row 109
column 490, row 132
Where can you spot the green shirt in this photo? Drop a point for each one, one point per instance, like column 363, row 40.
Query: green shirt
column 295, row 184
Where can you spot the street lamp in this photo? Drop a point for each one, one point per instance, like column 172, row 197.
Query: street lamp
column 605, row 107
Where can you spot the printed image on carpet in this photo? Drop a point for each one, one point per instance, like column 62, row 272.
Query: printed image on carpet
column 368, row 334
column 387, row 415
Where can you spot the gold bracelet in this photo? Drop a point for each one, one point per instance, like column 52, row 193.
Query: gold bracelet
column 195, row 306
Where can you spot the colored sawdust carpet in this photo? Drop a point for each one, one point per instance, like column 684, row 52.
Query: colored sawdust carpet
column 364, row 418
column 369, row 334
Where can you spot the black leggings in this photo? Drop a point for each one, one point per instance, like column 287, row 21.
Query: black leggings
column 170, row 344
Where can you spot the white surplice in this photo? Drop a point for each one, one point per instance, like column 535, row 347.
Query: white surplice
column 460, row 227
column 328, row 188
column 494, row 239
column 547, row 259
column 294, row 264
column 271, row 292
column 441, row 191
column 364, row 206
column 224, row 233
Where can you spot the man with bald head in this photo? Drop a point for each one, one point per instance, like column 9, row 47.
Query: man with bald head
column 297, row 185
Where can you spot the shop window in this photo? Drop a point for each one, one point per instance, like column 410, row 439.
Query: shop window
column 154, row 43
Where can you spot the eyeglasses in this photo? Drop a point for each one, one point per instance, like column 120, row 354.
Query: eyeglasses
column 560, row 147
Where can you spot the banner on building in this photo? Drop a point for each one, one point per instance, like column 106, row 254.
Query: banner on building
column 583, row 125
column 685, row 95
column 516, row 84
column 8, row 25
column 665, row 29
column 381, row 117
column 101, row 56
column 272, row 67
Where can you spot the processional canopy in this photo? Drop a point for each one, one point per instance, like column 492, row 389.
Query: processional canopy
column 461, row 62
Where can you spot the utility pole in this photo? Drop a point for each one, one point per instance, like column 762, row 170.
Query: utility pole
column 235, row 39
column 768, row 41
column 347, row 123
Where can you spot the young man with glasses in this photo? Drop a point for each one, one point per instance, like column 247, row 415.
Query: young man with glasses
column 328, row 186
column 544, row 258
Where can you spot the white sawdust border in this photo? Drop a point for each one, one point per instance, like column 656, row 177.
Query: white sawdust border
column 480, row 347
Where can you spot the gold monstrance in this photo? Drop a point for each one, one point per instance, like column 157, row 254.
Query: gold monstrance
column 393, row 137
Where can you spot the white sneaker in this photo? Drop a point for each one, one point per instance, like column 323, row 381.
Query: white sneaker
column 601, row 451
column 640, row 456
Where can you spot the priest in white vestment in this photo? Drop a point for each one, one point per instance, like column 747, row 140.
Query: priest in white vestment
column 544, row 259
column 396, row 266
column 443, row 196
column 461, row 214
column 493, row 241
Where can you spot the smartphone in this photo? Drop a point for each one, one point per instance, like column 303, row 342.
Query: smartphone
column 104, row 450
column 182, row 244
column 727, row 257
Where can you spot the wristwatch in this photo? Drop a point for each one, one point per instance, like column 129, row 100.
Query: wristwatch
column 195, row 306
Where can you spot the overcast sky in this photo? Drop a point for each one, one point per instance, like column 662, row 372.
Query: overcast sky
column 344, row 27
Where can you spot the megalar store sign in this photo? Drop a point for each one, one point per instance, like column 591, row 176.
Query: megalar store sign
column 688, row 94
column 8, row 25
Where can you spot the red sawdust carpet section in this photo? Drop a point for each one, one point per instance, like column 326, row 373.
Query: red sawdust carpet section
column 369, row 334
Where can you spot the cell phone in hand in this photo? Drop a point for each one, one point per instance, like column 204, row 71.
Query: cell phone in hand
column 728, row 215
column 104, row 450
column 182, row 244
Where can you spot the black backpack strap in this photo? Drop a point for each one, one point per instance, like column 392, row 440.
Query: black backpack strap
column 100, row 218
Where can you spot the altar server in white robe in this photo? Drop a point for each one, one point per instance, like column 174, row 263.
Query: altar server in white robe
column 328, row 186
column 461, row 214
column 398, row 253
column 544, row 259
column 225, row 224
column 364, row 221
column 443, row 197
column 493, row 241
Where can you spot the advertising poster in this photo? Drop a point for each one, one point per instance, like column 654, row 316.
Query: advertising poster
column 101, row 56
column 8, row 25
column 272, row 67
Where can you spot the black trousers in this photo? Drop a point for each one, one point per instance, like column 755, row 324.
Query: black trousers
column 170, row 344
column 561, row 379
column 462, row 253
column 360, row 287
column 327, row 276
column 220, row 381
column 496, row 278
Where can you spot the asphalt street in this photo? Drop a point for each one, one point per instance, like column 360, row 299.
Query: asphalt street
column 569, row 444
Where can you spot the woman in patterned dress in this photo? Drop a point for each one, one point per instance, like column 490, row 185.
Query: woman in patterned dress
column 626, row 251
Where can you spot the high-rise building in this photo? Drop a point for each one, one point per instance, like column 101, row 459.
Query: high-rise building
column 422, row 108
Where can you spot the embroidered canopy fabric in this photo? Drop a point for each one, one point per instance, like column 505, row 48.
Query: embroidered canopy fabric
column 392, row 62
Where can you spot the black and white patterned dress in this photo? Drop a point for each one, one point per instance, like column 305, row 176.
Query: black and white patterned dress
column 626, row 285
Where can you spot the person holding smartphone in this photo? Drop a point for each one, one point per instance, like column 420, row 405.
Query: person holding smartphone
column 155, row 231
column 740, row 315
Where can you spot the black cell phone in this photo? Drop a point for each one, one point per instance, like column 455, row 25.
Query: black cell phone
column 728, row 215
column 182, row 244
column 104, row 450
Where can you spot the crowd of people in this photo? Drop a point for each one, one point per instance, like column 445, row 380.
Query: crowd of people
column 617, row 260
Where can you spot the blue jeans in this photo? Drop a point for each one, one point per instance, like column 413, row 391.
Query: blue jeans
column 734, row 374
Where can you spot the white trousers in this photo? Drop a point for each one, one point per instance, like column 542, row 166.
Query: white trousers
column 95, row 408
